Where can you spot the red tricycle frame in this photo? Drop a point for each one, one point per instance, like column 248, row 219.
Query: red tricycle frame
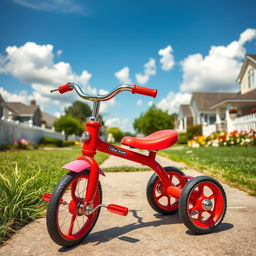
column 95, row 143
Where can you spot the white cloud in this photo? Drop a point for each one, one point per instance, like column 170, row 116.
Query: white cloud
column 104, row 105
column 219, row 69
column 139, row 102
column 60, row 6
column 34, row 64
column 150, row 103
column 123, row 123
column 123, row 75
column 167, row 59
column 173, row 101
column 149, row 70
column 21, row 96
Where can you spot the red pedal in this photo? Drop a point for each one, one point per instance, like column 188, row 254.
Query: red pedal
column 47, row 197
column 117, row 209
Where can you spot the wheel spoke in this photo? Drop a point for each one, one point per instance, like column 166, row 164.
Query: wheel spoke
column 199, row 218
column 194, row 208
column 201, row 189
column 211, row 197
column 78, row 224
column 63, row 222
column 71, row 225
column 159, row 197
column 168, row 200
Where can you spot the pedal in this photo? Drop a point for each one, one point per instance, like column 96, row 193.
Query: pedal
column 46, row 197
column 117, row 209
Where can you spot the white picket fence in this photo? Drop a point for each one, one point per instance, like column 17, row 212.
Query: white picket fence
column 243, row 123
column 11, row 131
column 208, row 129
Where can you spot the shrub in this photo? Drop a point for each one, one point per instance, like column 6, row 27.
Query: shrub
column 48, row 141
column 193, row 131
column 183, row 138
column 68, row 143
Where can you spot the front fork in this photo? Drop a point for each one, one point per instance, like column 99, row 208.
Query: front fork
column 93, row 181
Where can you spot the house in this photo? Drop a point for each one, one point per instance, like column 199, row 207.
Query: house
column 48, row 120
column 22, row 113
column 216, row 111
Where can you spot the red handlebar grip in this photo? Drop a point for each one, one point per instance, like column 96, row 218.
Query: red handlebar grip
column 144, row 91
column 64, row 88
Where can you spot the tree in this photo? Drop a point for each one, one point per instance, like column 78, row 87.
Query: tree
column 116, row 132
column 69, row 125
column 153, row 120
column 81, row 111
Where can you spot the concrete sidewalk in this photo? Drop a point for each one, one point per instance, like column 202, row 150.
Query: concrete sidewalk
column 144, row 232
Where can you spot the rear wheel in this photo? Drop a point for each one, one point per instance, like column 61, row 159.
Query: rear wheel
column 203, row 204
column 159, row 201
column 66, row 224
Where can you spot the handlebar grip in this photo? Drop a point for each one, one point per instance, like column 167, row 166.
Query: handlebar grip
column 144, row 91
column 64, row 88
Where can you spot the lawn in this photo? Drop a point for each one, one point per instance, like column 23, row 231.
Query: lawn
column 233, row 165
column 24, row 177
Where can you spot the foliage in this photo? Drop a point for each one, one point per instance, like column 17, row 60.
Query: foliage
column 153, row 120
column 183, row 138
column 235, row 165
column 24, row 177
column 79, row 110
column 69, row 125
column 116, row 132
column 193, row 131
column 49, row 141
column 129, row 134
column 234, row 138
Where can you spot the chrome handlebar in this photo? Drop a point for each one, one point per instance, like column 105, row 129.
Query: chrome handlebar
column 108, row 96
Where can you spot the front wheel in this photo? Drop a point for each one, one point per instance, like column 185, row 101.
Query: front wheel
column 159, row 201
column 202, row 204
column 66, row 224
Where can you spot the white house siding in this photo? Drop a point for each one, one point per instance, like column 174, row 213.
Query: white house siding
column 244, row 83
column 195, row 110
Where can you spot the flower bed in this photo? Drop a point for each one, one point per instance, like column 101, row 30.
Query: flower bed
column 234, row 138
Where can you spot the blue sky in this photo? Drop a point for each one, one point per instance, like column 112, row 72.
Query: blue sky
column 175, row 46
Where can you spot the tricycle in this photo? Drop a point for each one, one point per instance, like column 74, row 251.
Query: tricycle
column 74, row 205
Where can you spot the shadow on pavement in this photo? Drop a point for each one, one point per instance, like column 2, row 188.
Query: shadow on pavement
column 220, row 228
column 118, row 232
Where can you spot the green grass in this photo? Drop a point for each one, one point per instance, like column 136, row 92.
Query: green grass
column 233, row 165
column 24, row 177
column 126, row 169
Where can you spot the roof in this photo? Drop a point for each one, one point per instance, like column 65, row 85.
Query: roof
column 252, row 56
column 186, row 110
column 22, row 109
column 246, row 97
column 205, row 100
column 248, row 57
column 49, row 119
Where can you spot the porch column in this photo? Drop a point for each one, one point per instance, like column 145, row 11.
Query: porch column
column 229, row 120
column 218, row 119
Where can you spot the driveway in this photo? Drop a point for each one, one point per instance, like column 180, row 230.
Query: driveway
column 144, row 232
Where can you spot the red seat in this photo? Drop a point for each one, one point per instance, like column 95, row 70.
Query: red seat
column 155, row 141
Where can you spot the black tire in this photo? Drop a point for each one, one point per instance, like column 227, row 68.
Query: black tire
column 217, row 207
column 52, row 217
column 151, row 196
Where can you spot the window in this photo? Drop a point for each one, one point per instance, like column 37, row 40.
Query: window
column 251, row 78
